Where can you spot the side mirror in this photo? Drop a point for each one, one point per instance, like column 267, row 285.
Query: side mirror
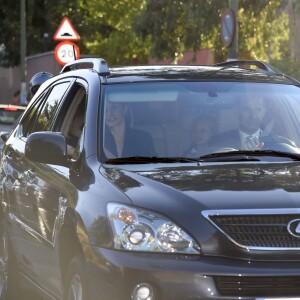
column 47, row 147
column 4, row 136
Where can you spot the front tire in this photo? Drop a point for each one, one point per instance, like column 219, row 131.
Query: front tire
column 9, row 280
column 3, row 262
column 75, row 288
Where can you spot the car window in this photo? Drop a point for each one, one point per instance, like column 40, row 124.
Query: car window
column 44, row 121
column 71, row 117
column 40, row 115
column 192, row 119
column 28, row 120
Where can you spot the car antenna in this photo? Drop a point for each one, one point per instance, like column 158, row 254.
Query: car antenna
column 74, row 53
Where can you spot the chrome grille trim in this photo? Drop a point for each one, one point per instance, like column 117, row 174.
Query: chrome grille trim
column 284, row 215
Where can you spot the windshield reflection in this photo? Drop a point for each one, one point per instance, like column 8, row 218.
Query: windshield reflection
column 192, row 119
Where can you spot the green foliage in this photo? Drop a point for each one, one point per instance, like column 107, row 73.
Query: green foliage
column 9, row 23
column 42, row 17
column 263, row 33
column 174, row 26
column 288, row 66
column 109, row 31
column 130, row 31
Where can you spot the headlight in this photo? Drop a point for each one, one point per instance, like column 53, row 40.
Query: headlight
column 138, row 229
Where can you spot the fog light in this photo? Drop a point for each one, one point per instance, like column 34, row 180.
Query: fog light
column 143, row 291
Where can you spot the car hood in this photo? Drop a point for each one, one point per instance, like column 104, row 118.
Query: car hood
column 221, row 186
column 184, row 193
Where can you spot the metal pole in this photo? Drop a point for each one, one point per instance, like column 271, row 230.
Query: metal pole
column 233, row 49
column 23, row 54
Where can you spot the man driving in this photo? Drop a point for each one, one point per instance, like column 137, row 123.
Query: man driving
column 251, row 112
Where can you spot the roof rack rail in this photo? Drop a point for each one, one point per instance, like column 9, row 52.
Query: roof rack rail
column 259, row 64
column 99, row 65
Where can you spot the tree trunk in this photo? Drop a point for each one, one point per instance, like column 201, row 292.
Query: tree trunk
column 294, row 16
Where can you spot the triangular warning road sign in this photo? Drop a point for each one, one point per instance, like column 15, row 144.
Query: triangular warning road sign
column 66, row 31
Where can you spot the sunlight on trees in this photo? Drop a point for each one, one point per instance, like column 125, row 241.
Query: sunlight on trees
column 131, row 32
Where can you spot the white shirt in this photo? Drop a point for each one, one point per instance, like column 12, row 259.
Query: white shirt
column 244, row 135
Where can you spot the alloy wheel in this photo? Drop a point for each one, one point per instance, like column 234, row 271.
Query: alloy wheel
column 3, row 266
column 75, row 288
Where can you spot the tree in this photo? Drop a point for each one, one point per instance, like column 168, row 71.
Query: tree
column 263, row 30
column 293, row 8
column 108, row 29
column 9, row 23
column 105, row 28
column 290, row 63
column 130, row 31
column 175, row 26
column 42, row 20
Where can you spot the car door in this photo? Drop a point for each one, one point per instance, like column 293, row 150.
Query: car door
column 48, row 189
column 28, row 228
column 14, row 171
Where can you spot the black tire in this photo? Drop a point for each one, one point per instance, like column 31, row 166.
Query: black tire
column 75, row 287
column 8, row 273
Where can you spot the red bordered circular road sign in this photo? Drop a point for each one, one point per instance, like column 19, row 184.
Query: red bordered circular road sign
column 228, row 27
column 64, row 52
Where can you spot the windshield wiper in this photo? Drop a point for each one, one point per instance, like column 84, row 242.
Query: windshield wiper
column 241, row 155
column 234, row 156
column 147, row 160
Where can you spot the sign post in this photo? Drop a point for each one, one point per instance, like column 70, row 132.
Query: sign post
column 23, row 93
column 66, row 51
column 229, row 29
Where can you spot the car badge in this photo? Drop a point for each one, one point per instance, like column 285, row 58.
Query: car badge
column 293, row 227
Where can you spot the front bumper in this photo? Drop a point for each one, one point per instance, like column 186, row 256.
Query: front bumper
column 114, row 275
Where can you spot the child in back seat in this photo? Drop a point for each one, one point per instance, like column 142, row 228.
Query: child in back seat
column 203, row 130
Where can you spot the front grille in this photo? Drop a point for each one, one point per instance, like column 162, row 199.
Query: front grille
column 258, row 286
column 258, row 230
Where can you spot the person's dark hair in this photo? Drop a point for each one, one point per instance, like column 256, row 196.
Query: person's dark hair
column 205, row 118
column 37, row 80
column 17, row 93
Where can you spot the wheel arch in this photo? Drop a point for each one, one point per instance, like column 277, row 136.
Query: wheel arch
column 70, row 240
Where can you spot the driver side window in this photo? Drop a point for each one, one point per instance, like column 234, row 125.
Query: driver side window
column 42, row 113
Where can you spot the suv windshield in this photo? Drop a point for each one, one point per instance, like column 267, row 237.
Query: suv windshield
column 194, row 119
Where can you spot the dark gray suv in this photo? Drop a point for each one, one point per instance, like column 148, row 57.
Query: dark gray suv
column 155, row 183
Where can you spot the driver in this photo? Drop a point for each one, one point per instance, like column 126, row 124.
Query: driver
column 246, row 137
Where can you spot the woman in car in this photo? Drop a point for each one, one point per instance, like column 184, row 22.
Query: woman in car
column 122, row 140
